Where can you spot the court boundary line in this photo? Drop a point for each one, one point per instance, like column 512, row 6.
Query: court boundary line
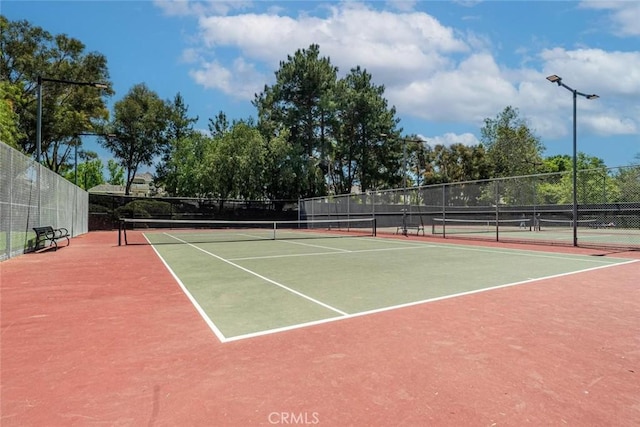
column 224, row 339
column 414, row 303
column 507, row 251
column 260, row 276
column 336, row 250
column 217, row 332
column 330, row 253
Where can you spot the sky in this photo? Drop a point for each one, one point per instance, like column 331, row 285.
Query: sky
column 446, row 65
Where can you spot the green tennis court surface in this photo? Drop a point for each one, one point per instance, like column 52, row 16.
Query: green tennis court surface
column 248, row 288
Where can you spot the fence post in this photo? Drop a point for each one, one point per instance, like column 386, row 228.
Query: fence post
column 444, row 210
column 497, row 190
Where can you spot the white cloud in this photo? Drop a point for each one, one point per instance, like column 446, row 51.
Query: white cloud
column 199, row 8
column 430, row 71
column 402, row 5
column 190, row 56
column 596, row 70
column 451, row 138
column 241, row 80
column 412, row 41
column 463, row 94
column 624, row 16
column 610, row 124
column 614, row 76
column 399, row 50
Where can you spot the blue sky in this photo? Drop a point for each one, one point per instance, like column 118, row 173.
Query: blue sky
column 446, row 66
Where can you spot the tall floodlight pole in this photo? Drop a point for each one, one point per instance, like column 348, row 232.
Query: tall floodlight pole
column 39, row 112
column 404, row 185
column 39, row 82
column 39, row 121
column 404, row 178
column 558, row 80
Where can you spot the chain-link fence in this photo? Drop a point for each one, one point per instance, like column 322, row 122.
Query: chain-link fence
column 535, row 208
column 105, row 210
column 32, row 196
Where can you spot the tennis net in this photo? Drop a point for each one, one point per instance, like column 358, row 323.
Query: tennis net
column 166, row 231
column 567, row 224
column 444, row 226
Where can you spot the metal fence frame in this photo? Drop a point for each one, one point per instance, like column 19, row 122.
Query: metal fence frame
column 602, row 202
column 31, row 196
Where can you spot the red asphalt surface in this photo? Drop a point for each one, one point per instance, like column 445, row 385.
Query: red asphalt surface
column 96, row 334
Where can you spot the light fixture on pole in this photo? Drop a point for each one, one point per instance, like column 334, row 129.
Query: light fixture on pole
column 39, row 126
column 558, row 80
column 39, row 112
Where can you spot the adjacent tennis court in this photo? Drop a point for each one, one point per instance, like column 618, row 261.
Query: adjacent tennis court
column 592, row 232
column 249, row 279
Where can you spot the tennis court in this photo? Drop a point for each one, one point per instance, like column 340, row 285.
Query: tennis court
column 245, row 281
column 427, row 332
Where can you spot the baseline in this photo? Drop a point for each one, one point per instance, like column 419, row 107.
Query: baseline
column 517, row 252
column 414, row 303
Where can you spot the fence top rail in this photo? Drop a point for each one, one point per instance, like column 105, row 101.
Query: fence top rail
column 608, row 170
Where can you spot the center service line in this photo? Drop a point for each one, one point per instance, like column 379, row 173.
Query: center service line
column 266, row 279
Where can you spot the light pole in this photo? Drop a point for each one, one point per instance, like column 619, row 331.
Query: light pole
column 404, row 178
column 39, row 126
column 558, row 80
column 39, row 112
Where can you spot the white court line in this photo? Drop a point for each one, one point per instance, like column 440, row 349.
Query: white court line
column 414, row 303
column 344, row 315
column 315, row 246
column 266, row 279
column 517, row 252
column 329, row 253
column 199, row 309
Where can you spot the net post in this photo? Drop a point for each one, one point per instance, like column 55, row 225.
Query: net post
column 275, row 225
column 119, row 232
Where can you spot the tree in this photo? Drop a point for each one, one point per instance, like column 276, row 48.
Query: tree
column 557, row 163
column 234, row 164
column 595, row 185
column 512, row 148
column 116, row 173
column 363, row 116
column 10, row 133
column 89, row 171
column 188, row 166
column 139, row 128
column 219, row 126
column 27, row 52
column 628, row 183
column 299, row 101
column 179, row 127
column 280, row 167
